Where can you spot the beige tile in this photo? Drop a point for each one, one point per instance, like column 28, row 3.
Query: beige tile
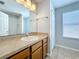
column 61, row 53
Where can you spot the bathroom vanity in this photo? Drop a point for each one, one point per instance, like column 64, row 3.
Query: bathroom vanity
column 29, row 47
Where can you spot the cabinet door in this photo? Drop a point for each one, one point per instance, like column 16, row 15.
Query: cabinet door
column 22, row 55
column 37, row 54
column 44, row 50
column 36, row 46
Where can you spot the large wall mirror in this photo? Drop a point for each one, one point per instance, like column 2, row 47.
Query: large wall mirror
column 14, row 18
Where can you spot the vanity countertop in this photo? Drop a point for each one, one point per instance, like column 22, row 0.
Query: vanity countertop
column 11, row 46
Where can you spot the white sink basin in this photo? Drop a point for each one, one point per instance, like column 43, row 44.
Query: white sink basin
column 29, row 38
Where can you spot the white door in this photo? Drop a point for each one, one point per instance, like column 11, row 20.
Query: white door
column 3, row 24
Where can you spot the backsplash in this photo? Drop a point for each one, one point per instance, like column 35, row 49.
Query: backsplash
column 11, row 36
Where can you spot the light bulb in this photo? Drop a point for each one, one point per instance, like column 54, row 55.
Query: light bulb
column 20, row 1
column 33, row 7
column 29, row 3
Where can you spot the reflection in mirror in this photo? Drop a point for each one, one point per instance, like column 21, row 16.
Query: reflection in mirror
column 14, row 18
column 4, row 24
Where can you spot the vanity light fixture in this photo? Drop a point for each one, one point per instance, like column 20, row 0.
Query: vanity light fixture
column 33, row 7
column 28, row 4
column 20, row 1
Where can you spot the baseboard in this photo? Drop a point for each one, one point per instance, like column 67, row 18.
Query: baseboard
column 68, row 48
column 49, row 54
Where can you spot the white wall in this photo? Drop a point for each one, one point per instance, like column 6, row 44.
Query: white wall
column 44, row 11
column 59, row 27
column 43, row 24
column 33, row 22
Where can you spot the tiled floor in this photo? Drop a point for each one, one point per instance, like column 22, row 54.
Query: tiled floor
column 61, row 53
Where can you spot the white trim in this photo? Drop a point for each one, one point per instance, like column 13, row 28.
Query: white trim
column 49, row 54
column 72, row 38
column 68, row 48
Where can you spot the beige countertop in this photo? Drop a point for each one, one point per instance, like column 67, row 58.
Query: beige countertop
column 11, row 46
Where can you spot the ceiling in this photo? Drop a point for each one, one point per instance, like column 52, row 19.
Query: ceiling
column 37, row 1
column 60, row 3
column 12, row 5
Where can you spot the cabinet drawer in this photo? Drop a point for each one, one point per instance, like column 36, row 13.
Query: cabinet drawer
column 21, row 55
column 45, row 44
column 36, row 46
column 37, row 54
column 45, row 40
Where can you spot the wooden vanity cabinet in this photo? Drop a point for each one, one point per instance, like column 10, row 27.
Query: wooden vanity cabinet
column 37, row 51
column 25, row 54
column 45, row 47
